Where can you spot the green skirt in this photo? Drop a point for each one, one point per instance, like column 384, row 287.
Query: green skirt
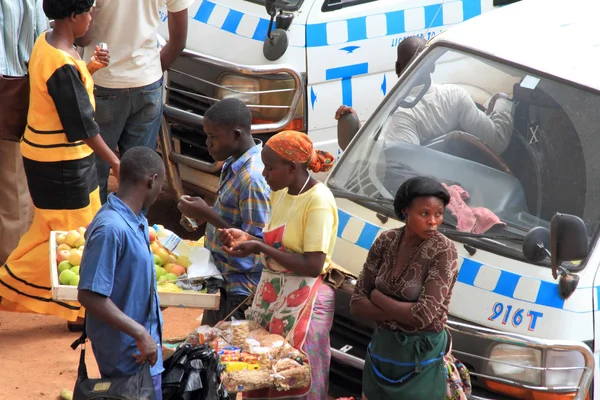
column 405, row 366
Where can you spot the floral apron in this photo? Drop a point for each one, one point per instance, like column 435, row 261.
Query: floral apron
column 283, row 302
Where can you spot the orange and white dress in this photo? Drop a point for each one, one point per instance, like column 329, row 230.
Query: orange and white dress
column 61, row 175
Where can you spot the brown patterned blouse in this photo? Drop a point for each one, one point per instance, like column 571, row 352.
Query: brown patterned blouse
column 427, row 279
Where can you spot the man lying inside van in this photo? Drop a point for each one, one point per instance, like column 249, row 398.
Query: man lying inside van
column 442, row 109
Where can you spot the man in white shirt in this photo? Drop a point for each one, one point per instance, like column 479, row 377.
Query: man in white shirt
column 443, row 108
column 21, row 22
column 129, row 94
column 446, row 108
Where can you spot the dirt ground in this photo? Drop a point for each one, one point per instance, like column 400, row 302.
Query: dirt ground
column 36, row 360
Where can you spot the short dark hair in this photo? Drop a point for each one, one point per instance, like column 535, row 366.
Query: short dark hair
column 139, row 163
column 231, row 113
column 61, row 9
column 419, row 186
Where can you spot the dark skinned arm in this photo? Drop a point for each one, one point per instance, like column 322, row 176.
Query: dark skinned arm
column 365, row 308
column 106, row 311
column 97, row 144
column 178, row 27
column 86, row 39
column 434, row 298
column 361, row 304
column 196, row 208
column 307, row 264
column 395, row 309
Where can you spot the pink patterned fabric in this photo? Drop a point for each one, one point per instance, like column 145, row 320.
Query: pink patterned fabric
column 470, row 219
column 317, row 346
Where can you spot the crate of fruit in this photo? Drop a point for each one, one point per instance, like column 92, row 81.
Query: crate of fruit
column 177, row 286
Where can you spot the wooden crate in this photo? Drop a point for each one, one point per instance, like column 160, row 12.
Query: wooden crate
column 167, row 299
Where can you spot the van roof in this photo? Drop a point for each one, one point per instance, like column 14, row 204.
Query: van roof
column 552, row 36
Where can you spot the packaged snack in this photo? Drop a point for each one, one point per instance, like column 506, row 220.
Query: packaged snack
column 229, row 357
column 258, row 334
column 269, row 340
column 290, row 352
column 225, row 325
column 246, row 380
column 202, row 335
column 264, row 356
column 292, row 378
column 239, row 366
column 240, row 331
column 285, row 364
column 250, row 343
column 249, row 358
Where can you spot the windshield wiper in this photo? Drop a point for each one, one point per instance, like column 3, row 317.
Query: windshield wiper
column 486, row 236
column 359, row 197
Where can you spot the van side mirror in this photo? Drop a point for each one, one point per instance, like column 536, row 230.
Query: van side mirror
column 347, row 127
column 568, row 240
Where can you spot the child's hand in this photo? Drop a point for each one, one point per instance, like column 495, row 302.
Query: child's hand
column 101, row 56
column 100, row 59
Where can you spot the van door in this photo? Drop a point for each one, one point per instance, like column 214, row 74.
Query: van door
column 351, row 52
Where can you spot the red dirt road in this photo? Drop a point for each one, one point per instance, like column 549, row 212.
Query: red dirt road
column 36, row 361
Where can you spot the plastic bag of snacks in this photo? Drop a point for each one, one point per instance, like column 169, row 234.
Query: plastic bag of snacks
column 202, row 335
column 244, row 381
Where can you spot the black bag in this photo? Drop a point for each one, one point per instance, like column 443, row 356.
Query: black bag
column 135, row 387
column 193, row 372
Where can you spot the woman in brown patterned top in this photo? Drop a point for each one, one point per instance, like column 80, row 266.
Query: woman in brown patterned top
column 405, row 286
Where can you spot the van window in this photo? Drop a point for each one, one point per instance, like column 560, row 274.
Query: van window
column 513, row 147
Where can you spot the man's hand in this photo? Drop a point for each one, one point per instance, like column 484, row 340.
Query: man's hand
column 343, row 110
column 148, row 349
column 244, row 249
column 233, row 237
column 194, row 207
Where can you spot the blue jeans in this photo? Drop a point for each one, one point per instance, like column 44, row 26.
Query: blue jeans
column 127, row 118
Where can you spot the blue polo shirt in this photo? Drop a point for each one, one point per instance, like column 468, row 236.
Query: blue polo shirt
column 117, row 263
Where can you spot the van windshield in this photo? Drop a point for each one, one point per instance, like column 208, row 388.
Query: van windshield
column 512, row 147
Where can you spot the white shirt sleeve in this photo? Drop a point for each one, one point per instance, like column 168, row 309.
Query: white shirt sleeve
column 401, row 127
column 494, row 130
column 178, row 5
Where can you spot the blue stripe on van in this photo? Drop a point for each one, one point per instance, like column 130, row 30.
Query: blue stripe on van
column 356, row 28
column 547, row 294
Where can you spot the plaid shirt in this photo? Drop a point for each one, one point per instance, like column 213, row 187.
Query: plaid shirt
column 243, row 201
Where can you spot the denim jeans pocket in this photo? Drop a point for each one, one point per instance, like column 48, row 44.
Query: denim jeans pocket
column 104, row 107
column 152, row 103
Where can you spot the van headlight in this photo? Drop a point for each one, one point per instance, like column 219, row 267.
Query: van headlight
column 268, row 97
column 531, row 366
column 240, row 87
column 573, row 363
column 522, row 364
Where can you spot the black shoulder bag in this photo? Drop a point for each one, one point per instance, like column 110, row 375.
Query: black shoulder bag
column 135, row 387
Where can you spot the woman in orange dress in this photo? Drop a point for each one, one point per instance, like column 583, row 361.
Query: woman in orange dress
column 58, row 155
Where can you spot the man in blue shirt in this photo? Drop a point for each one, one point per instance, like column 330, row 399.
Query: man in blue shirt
column 124, row 322
column 242, row 202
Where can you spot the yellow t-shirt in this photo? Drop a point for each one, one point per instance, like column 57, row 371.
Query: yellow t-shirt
column 311, row 226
